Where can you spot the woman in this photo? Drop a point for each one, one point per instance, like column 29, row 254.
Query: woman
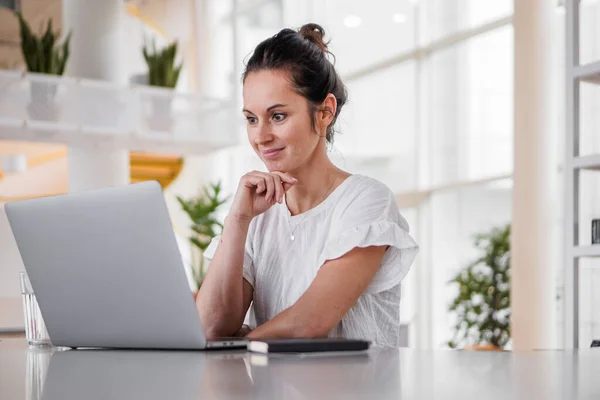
column 317, row 251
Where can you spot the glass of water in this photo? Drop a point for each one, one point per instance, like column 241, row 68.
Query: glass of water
column 35, row 328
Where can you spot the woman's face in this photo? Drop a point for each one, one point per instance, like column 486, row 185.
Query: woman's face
column 279, row 122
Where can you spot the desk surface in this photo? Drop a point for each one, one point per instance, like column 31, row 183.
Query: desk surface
column 379, row 374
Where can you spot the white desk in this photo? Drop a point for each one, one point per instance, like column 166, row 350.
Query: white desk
column 379, row 374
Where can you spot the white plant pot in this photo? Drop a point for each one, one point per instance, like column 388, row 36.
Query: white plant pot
column 160, row 118
column 42, row 105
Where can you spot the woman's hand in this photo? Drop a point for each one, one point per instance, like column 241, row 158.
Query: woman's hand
column 258, row 191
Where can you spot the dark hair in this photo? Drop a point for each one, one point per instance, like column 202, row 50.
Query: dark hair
column 304, row 54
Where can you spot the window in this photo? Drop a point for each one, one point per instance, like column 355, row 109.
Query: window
column 444, row 18
column 470, row 108
column 365, row 33
column 378, row 127
column 456, row 216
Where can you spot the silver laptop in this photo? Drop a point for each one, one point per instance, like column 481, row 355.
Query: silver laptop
column 106, row 270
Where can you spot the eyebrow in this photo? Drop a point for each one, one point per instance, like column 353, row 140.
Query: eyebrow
column 268, row 109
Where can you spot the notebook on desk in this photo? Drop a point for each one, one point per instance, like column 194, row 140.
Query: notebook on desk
column 307, row 345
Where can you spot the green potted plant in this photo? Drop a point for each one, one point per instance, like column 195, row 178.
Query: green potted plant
column 204, row 224
column 162, row 72
column 482, row 305
column 43, row 54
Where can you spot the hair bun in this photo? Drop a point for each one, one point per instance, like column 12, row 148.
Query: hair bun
column 314, row 33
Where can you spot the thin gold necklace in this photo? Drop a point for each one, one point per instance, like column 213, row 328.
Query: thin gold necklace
column 292, row 237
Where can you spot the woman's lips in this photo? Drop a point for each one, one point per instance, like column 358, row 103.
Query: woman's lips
column 271, row 153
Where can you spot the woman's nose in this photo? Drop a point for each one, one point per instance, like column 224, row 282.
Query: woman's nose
column 263, row 134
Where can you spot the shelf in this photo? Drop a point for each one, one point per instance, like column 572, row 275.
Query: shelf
column 591, row 162
column 586, row 251
column 588, row 73
column 81, row 112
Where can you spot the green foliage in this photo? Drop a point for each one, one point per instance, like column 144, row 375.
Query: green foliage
column 162, row 70
column 43, row 54
column 483, row 301
column 204, row 225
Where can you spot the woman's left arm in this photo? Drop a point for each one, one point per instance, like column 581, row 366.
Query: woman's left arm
column 336, row 288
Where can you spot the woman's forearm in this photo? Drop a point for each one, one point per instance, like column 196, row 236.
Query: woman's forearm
column 290, row 323
column 220, row 298
column 281, row 326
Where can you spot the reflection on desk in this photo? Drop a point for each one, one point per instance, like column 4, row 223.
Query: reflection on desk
column 35, row 374
column 105, row 374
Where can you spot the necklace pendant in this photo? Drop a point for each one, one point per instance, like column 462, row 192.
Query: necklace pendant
column 292, row 237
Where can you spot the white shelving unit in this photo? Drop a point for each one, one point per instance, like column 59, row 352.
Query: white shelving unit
column 574, row 164
column 587, row 162
column 72, row 111
column 586, row 251
column 588, row 73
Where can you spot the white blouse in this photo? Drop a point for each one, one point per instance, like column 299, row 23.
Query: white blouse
column 360, row 212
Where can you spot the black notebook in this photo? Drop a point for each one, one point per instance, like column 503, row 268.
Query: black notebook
column 306, row 345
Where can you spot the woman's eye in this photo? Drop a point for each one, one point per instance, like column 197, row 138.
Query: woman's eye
column 251, row 120
column 278, row 116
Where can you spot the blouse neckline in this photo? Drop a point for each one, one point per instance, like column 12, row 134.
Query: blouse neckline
column 319, row 207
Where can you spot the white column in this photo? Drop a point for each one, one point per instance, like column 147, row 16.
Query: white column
column 533, row 265
column 96, row 53
column 204, row 50
column 91, row 168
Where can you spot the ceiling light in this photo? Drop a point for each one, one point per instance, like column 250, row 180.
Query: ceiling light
column 352, row 21
column 399, row 18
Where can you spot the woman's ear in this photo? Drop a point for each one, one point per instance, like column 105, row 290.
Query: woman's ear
column 327, row 112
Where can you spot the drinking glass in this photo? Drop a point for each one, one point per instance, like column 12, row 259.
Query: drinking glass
column 35, row 328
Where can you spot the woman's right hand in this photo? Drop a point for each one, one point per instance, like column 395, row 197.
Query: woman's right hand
column 258, row 191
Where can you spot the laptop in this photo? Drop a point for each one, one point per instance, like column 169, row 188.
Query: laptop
column 106, row 270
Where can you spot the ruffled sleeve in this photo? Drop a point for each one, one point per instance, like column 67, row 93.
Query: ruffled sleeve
column 248, row 265
column 372, row 218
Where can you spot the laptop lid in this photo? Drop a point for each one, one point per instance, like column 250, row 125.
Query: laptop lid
column 106, row 269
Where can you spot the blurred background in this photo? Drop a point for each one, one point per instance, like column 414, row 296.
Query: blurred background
column 431, row 114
